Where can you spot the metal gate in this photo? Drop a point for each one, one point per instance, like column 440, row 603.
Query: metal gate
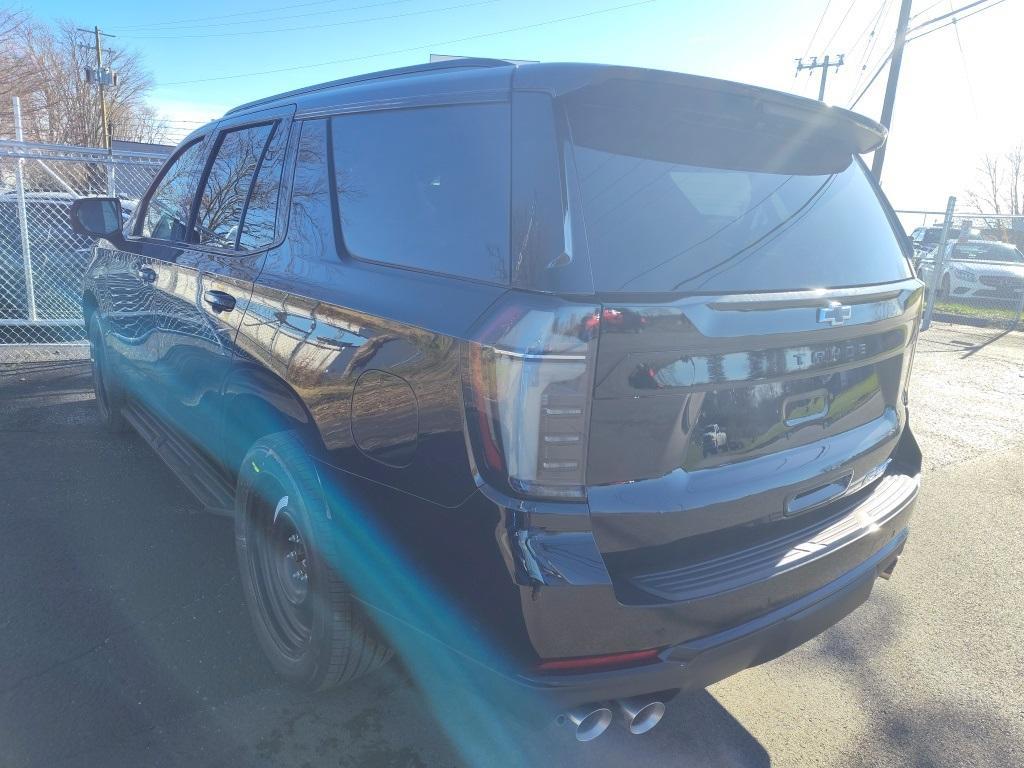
column 41, row 259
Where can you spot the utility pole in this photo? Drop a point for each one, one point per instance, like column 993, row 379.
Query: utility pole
column 102, row 77
column 103, row 100
column 823, row 65
column 890, row 86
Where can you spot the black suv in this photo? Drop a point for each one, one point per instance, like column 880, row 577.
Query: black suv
column 572, row 384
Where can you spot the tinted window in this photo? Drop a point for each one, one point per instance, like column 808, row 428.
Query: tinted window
column 310, row 223
column 663, row 215
column 234, row 165
column 168, row 209
column 426, row 188
column 261, row 209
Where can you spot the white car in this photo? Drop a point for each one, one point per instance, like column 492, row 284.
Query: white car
column 977, row 269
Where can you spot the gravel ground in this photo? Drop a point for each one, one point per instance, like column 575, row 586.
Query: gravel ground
column 124, row 639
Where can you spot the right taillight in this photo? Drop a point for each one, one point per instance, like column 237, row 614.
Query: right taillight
column 527, row 378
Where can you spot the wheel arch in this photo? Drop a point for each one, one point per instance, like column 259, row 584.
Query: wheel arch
column 257, row 403
column 89, row 307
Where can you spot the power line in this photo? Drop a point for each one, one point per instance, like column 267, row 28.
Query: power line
column 872, row 25
column 926, row 9
column 283, row 17
column 347, row 22
column 875, row 37
column 816, row 29
column 967, row 72
column 414, row 48
column 872, row 80
column 235, row 15
column 842, row 21
column 954, row 21
column 954, row 12
column 888, row 56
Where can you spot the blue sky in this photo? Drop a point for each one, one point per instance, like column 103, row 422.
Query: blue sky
column 952, row 106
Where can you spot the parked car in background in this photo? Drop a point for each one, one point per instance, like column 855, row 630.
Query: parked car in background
column 927, row 239
column 451, row 344
column 976, row 269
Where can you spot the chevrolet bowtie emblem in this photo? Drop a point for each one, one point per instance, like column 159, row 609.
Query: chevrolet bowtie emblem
column 835, row 313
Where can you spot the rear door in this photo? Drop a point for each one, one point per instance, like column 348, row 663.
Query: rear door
column 758, row 309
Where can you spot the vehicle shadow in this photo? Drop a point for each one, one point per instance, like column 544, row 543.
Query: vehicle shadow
column 124, row 638
column 911, row 729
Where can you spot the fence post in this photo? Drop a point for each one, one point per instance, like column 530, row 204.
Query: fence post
column 19, row 186
column 938, row 264
column 111, row 175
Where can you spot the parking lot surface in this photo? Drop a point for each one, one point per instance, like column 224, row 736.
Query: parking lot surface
column 124, row 639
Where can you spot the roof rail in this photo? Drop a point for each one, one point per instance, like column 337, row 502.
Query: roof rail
column 415, row 69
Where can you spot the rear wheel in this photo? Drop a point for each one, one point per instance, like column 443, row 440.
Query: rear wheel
column 105, row 382
column 306, row 619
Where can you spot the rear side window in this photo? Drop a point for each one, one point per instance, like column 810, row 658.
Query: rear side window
column 260, row 227
column 234, row 166
column 168, row 208
column 666, row 214
column 426, row 188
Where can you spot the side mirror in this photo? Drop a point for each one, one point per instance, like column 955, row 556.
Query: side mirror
column 97, row 216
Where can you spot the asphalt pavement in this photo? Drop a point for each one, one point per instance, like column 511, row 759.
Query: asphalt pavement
column 124, row 639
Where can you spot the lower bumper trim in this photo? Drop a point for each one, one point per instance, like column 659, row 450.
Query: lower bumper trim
column 705, row 661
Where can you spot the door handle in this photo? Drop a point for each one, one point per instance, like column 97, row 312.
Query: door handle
column 219, row 301
column 147, row 275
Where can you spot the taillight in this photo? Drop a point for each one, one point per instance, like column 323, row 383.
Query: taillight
column 528, row 376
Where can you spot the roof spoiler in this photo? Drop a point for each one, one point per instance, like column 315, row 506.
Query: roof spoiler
column 812, row 118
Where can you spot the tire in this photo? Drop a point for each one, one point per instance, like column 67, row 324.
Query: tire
column 944, row 288
column 105, row 383
column 307, row 621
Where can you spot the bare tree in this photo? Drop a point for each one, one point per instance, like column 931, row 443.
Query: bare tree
column 1000, row 186
column 45, row 66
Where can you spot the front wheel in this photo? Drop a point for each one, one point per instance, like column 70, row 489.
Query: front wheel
column 306, row 619
column 944, row 288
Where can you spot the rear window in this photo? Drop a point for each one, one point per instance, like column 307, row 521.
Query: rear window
column 426, row 188
column 663, row 214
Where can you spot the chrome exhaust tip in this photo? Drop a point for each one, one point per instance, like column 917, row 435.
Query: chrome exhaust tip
column 590, row 721
column 641, row 714
column 887, row 572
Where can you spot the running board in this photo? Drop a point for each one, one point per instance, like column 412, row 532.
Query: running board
column 189, row 465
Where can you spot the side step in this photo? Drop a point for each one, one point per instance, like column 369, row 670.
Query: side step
column 191, row 467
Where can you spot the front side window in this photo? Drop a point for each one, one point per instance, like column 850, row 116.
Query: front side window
column 167, row 211
column 426, row 188
column 234, row 166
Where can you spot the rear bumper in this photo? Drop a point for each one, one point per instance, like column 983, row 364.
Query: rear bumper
column 701, row 662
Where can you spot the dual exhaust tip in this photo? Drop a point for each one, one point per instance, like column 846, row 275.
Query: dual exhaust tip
column 639, row 714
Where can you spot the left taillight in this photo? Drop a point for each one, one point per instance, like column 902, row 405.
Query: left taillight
column 528, row 378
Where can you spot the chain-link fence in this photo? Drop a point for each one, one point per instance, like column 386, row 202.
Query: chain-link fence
column 972, row 263
column 41, row 258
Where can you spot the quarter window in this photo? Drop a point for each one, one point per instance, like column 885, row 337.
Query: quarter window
column 426, row 188
column 169, row 206
column 234, row 166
